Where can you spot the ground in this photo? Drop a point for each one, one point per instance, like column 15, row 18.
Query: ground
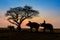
column 26, row 35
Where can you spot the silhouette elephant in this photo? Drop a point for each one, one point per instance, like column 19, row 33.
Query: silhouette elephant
column 33, row 25
column 47, row 26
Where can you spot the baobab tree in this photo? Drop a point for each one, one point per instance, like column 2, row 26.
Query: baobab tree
column 18, row 14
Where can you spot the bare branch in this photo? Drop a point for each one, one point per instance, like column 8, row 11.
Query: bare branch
column 11, row 22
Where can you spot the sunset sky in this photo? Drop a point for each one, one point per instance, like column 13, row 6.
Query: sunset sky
column 49, row 10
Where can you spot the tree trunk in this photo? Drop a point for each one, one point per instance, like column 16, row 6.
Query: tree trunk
column 19, row 25
column 18, row 28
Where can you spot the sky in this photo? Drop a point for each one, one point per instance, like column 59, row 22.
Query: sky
column 49, row 10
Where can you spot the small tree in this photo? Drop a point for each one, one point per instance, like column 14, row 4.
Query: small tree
column 19, row 14
column 11, row 27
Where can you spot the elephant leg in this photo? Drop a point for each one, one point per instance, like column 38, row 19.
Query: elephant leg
column 51, row 30
column 36, row 29
column 30, row 29
column 44, row 29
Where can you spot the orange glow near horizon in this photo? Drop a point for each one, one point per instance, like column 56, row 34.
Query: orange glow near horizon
column 5, row 23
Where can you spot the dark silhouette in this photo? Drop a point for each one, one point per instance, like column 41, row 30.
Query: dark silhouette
column 33, row 25
column 11, row 28
column 47, row 26
column 19, row 14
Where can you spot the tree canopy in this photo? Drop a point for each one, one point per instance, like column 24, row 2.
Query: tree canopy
column 18, row 14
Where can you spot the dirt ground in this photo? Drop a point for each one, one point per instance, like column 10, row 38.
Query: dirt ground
column 26, row 35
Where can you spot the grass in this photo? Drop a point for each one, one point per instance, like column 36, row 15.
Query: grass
column 26, row 35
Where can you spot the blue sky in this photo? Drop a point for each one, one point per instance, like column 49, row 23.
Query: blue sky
column 49, row 8
column 38, row 3
column 45, row 5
